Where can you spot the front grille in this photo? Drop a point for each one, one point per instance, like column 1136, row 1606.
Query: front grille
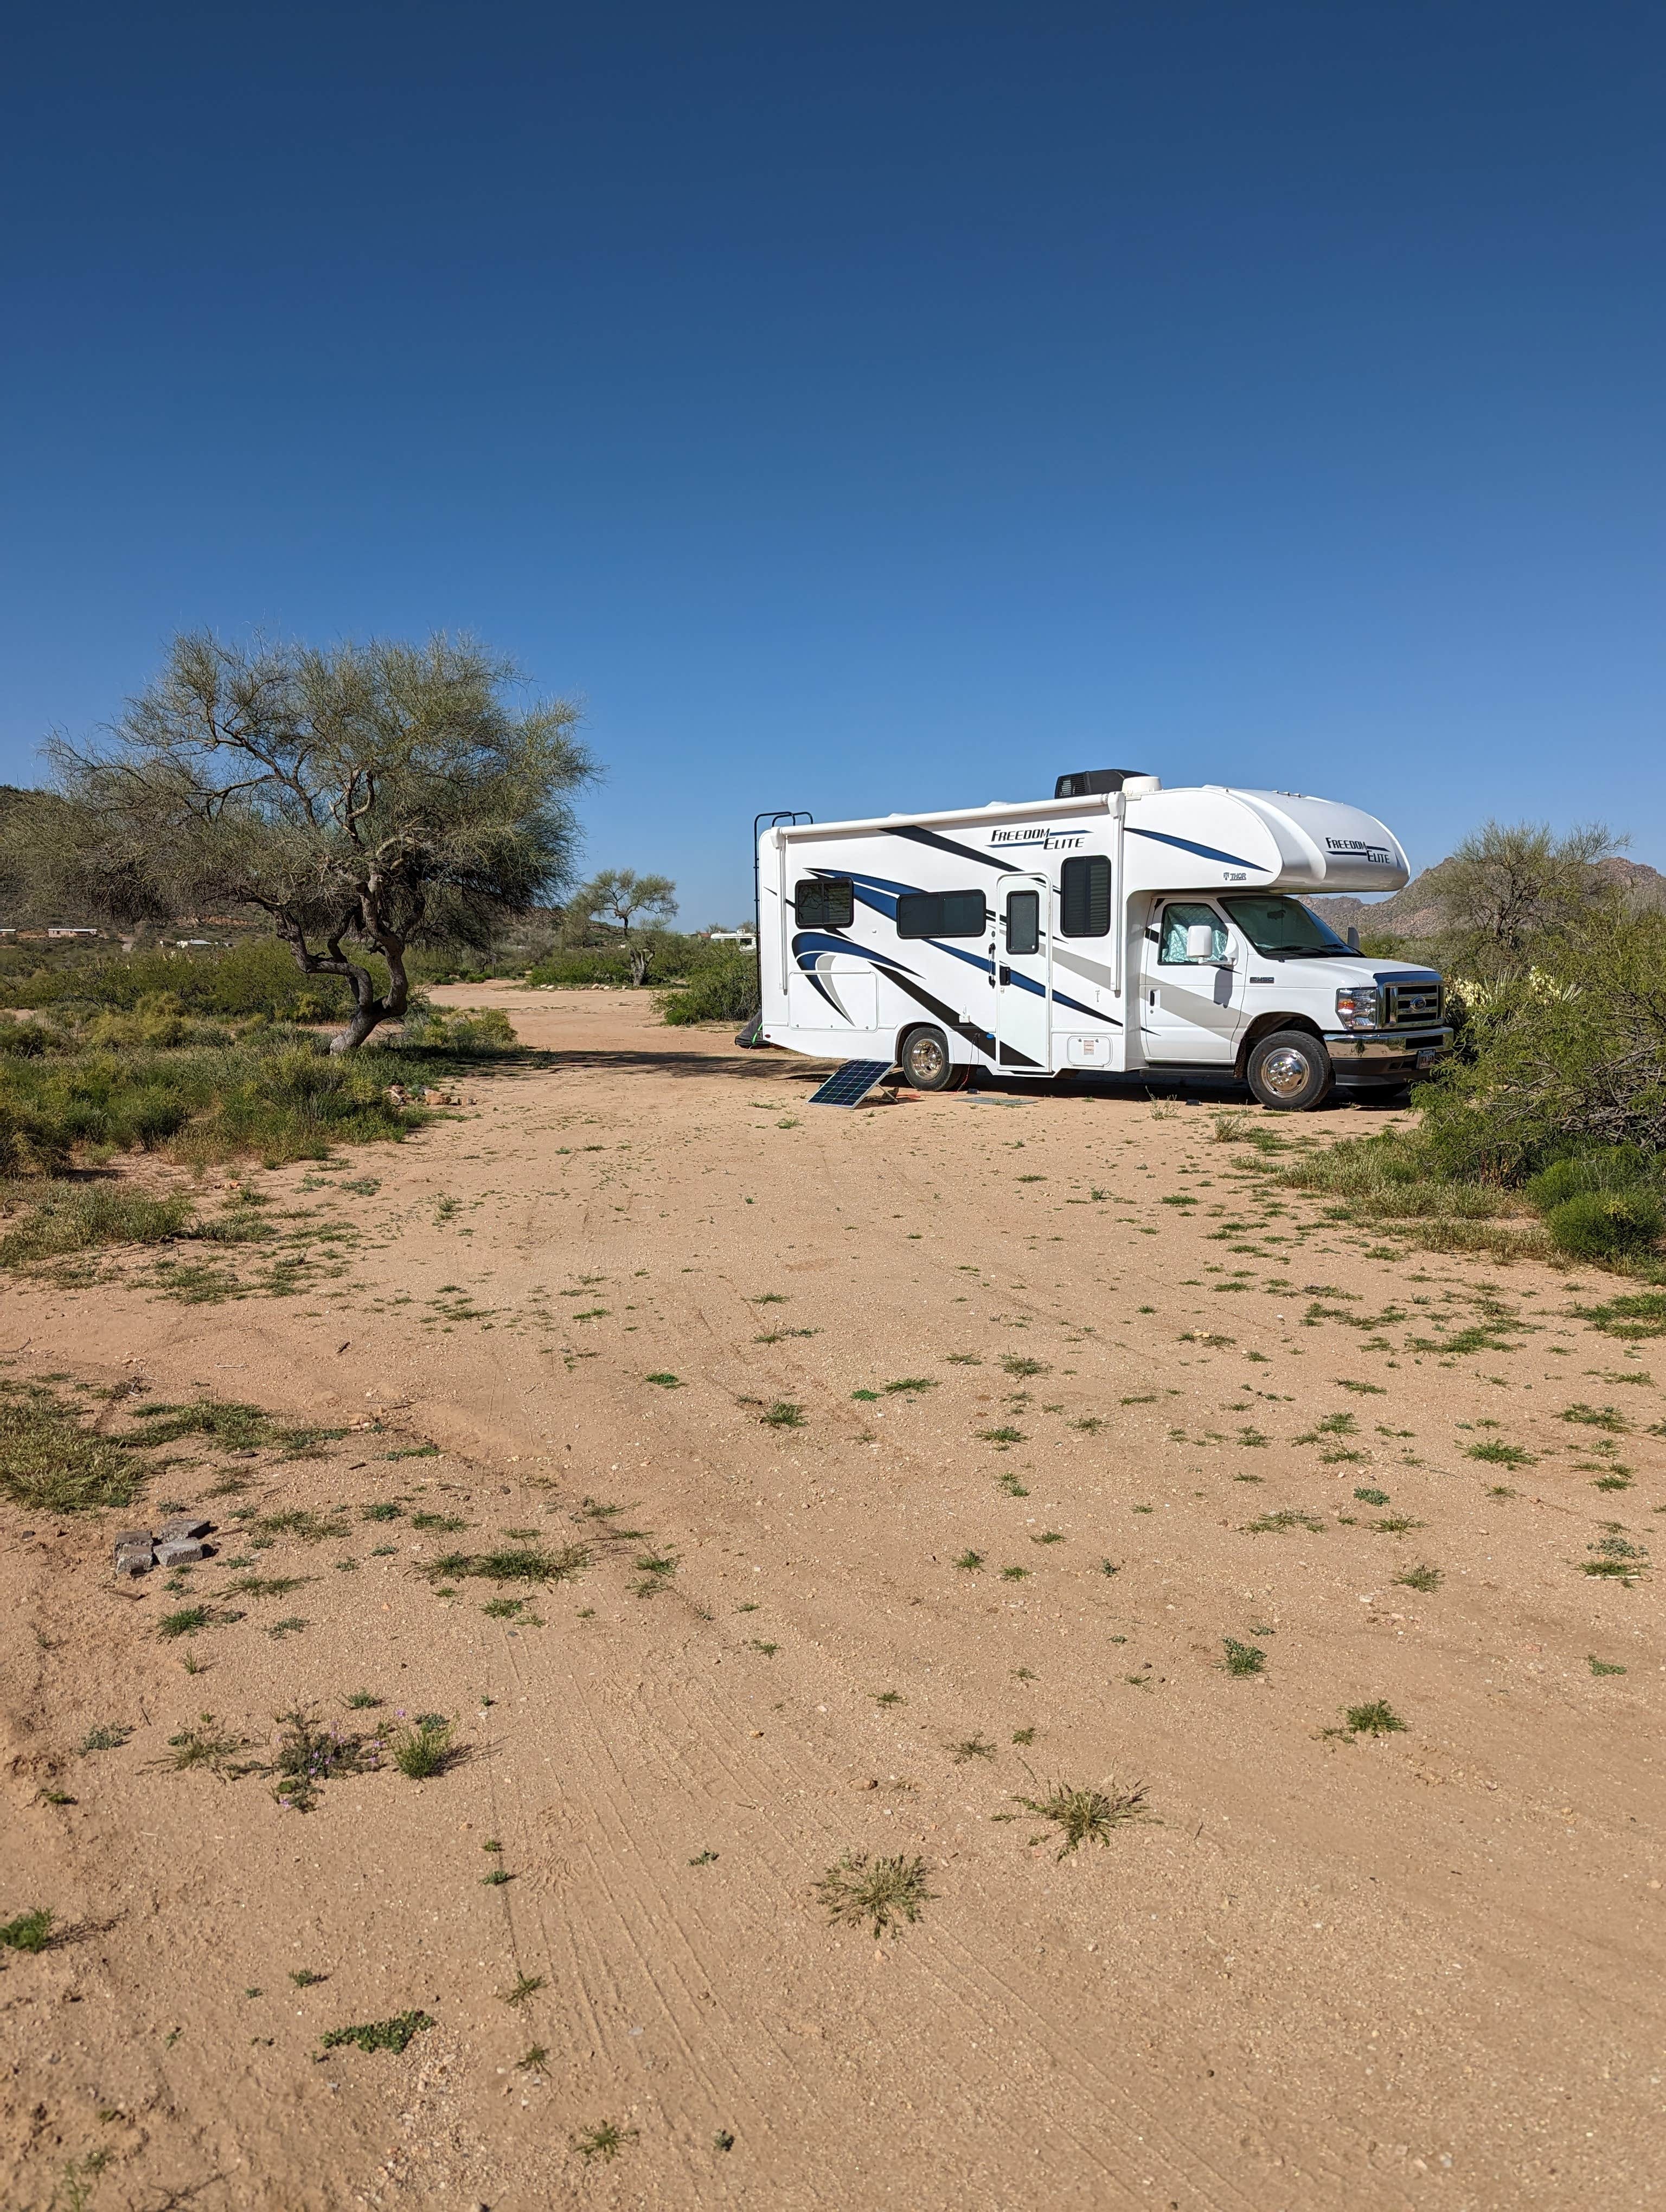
column 1406, row 1003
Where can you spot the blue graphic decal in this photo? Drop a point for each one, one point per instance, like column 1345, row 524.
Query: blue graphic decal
column 808, row 943
column 1185, row 845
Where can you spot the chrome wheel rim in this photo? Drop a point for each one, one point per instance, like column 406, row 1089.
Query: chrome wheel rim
column 927, row 1058
column 1285, row 1071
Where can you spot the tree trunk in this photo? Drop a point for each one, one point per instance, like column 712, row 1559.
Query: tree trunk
column 640, row 957
column 368, row 1010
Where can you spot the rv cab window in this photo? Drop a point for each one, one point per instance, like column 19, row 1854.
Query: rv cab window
column 826, row 902
column 1178, row 919
column 1085, row 896
column 940, row 914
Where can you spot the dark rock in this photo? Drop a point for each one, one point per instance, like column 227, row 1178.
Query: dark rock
column 183, row 1524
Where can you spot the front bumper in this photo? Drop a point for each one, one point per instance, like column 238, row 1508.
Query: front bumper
column 1369, row 1055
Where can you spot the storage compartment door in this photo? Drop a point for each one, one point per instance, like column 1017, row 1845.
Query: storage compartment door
column 839, row 994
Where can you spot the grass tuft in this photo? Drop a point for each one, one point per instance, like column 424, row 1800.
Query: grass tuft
column 883, row 1892
column 51, row 1462
column 1499, row 1455
column 424, row 1749
column 1280, row 1523
column 524, row 1563
column 1641, row 1314
column 1426, row 1579
column 1615, row 1559
column 185, row 1622
column 1082, row 1815
column 1377, row 1718
column 205, row 1745
column 109, row 1737
column 30, row 1931
column 603, row 2141
column 395, row 2034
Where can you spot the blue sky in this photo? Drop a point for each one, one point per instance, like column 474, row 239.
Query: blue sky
column 873, row 407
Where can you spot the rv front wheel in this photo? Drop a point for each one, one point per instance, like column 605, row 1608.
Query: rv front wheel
column 925, row 1061
column 1289, row 1070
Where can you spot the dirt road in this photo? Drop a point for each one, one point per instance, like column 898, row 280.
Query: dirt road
column 938, row 1434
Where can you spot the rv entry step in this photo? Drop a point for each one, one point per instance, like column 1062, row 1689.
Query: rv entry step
column 852, row 1082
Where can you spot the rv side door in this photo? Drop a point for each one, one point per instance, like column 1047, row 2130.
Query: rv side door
column 1021, row 961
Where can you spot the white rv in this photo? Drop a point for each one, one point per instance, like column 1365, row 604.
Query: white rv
column 1117, row 926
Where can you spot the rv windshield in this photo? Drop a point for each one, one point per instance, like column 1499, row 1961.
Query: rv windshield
column 1284, row 929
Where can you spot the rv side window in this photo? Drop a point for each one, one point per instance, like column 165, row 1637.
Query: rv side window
column 940, row 914
column 1085, row 896
column 826, row 902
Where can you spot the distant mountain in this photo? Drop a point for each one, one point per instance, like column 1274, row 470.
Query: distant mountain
column 1418, row 912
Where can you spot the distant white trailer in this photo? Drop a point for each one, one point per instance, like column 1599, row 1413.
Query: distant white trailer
column 1116, row 926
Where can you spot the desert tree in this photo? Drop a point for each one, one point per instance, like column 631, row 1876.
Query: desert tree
column 360, row 798
column 1508, row 889
column 631, row 905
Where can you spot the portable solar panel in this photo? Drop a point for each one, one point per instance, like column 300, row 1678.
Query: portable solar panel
column 851, row 1084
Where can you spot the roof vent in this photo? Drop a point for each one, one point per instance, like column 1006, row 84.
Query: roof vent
column 1088, row 781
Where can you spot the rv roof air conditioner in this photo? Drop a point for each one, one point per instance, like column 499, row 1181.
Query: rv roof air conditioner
column 1088, row 781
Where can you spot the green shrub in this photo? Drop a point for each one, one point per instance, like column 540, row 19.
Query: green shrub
column 31, row 1143
column 1556, row 1101
column 1607, row 1225
column 258, row 976
column 1613, row 1167
column 725, row 990
column 276, row 1094
column 159, row 1021
column 673, row 957
column 571, row 970
column 1571, row 1058
column 25, row 1039
column 470, row 1030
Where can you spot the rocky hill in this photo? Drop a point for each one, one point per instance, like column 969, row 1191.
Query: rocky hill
column 1418, row 910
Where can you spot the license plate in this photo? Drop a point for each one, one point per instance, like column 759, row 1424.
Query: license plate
column 1429, row 1055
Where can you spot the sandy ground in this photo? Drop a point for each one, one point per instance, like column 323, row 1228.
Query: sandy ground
column 1419, row 1970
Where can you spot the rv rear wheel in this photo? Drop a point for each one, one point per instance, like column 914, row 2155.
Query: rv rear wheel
column 925, row 1062
column 1289, row 1070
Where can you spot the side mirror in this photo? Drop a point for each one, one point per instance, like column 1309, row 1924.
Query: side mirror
column 1353, row 937
column 1200, row 941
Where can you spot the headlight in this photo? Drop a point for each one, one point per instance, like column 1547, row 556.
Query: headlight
column 1356, row 1007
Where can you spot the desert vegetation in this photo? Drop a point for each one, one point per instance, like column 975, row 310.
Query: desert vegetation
column 372, row 797
column 1545, row 1132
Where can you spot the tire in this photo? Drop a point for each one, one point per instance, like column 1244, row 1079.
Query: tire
column 1290, row 1071
column 925, row 1062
